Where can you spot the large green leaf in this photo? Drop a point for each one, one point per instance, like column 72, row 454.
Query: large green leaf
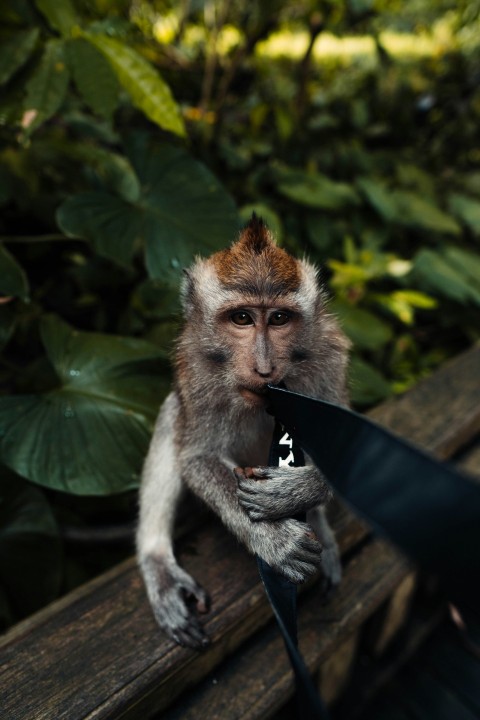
column 362, row 327
column 182, row 211
column 143, row 83
column 89, row 435
column 439, row 274
column 47, row 88
column 467, row 210
column 113, row 170
column 414, row 211
column 93, row 77
column 315, row 190
column 367, row 384
column 13, row 280
column 60, row 14
column 379, row 197
column 15, row 49
column 110, row 223
column 468, row 264
column 30, row 548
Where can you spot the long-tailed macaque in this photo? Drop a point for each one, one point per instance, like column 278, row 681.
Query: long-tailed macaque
column 254, row 315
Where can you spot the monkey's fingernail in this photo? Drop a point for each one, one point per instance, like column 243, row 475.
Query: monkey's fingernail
column 311, row 535
column 249, row 473
column 239, row 472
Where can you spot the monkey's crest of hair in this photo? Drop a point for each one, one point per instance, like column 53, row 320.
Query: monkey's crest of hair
column 255, row 265
column 254, row 268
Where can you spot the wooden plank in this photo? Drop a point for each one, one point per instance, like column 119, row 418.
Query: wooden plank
column 394, row 616
column 441, row 413
column 258, row 681
column 97, row 653
column 335, row 671
column 105, row 634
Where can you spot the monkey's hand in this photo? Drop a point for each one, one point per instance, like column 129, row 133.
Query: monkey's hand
column 175, row 598
column 289, row 546
column 269, row 493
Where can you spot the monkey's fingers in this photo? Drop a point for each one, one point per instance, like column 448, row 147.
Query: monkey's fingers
column 260, row 502
column 191, row 635
column 242, row 473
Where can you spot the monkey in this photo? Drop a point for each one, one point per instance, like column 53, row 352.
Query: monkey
column 253, row 315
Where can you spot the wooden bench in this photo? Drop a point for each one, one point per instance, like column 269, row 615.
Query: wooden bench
column 97, row 652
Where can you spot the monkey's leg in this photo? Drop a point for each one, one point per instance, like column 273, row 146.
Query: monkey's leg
column 331, row 561
column 269, row 493
column 287, row 545
column 170, row 589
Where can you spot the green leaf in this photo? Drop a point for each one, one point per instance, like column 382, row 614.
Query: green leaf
column 93, row 77
column 88, row 436
column 402, row 303
column 113, row 170
column 413, row 211
column 143, row 83
column 467, row 210
column 362, row 327
column 379, row 197
column 60, row 14
column 15, row 49
column 467, row 263
column 47, row 88
column 414, row 177
column 30, row 547
column 182, row 211
column 315, row 190
column 111, row 224
column 367, row 384
column 439, row 275
column 13, row 280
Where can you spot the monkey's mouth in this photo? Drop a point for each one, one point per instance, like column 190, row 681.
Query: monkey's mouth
column 254, row 395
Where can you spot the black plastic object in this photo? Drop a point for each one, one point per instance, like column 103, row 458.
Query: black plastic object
column 282, row 594
column 426, row 508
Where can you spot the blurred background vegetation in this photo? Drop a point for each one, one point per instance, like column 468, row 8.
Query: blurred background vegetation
column 134, row 135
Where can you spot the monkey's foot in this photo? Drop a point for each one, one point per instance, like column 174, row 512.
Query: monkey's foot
column 269, row 493
column 331, row 568
column 176, row 599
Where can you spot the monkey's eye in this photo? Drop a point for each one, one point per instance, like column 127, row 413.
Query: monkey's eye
column 279, row 318
column 241, row 318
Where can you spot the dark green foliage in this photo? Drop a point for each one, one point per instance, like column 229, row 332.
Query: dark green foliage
column 123, row 156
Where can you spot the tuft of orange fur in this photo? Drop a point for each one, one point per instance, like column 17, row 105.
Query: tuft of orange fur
column 254, row 265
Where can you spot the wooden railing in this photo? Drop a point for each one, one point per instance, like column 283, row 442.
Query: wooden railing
column 97, row 652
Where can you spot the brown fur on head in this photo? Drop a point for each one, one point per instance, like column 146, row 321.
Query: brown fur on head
column 252, row 267
column 255, row 265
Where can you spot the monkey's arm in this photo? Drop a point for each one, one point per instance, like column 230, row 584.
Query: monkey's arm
column 270, row 493
column 287, row 545
column 168, row 586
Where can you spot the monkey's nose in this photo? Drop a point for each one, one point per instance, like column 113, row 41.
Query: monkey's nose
column 264, row 373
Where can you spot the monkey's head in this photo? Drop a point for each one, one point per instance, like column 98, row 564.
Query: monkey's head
column 253, row 316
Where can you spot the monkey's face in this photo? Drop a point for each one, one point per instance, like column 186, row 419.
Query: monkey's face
column 261, row 343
